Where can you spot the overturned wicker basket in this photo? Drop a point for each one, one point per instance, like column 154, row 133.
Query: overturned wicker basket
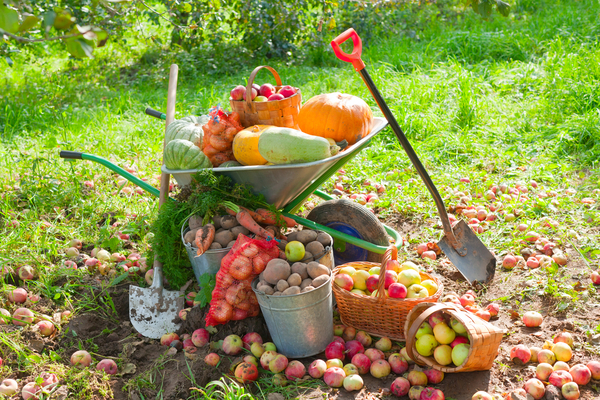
column 278, row 112
column 380, row 315
column 484, row 337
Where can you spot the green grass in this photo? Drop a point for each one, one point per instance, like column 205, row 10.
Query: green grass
column 506, row 100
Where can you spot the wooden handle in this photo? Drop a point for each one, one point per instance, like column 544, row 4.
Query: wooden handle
column 251, row 81
column 171, row 97
column 390, row 254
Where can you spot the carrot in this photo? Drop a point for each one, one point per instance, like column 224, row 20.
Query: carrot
column 269, row 218
column 276, row 231
column 204, row 238
column 246, row 220
column 255, row 216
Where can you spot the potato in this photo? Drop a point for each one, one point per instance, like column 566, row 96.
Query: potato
column 308, row 257
column 215, row 245
column 236, row 230
column 307, row 289
column 220, row 230
column 315, row 248
column 291, row 290
column 217, row 221
column 223, row 238
column 306, row 236
column 230, row 244
column 305, row 283
column 266, row 289
column 277, row 294
column 315, row 269
column 190, row 236
column 282, row 285
column 228, row 222
column 282, row 243
column 195, row 222
column 300, row 269
column 294, row 280
column 318, row 281
column 261, row 281
column 292, row 236
column 276, row 270
column 324, row 239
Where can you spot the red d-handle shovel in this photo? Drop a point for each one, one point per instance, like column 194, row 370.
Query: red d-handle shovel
column 464, row 249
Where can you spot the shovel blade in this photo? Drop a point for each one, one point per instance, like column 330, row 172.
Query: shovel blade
column 151, row 317
column 479, row 264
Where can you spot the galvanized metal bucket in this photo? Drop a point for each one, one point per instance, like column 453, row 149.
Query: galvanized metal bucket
column 209, row 262
column 301, row 325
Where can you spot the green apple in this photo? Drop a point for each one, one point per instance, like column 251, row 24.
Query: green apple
column 347, row 270
column 425, row 345
column 417, row 292
column 443, row 354
column 360, row 279
column 260, row 98
column 430, row 285
column 409, row 265
column 374, row 271
column 460, row 352
column 358, row 291
column 409, row 277
column 424, row 329
column 294, row 251
column 269, row 346
column 443, row 333
column 458, row 327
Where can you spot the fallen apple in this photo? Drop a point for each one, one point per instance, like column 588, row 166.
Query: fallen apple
column 397, row 363
column 559, row 378
column 334, row 377
column 9, row 387
column 108, row 366
column 212, row 359
column 562, row 351
column 81, row 359
column 570, row 391
column 380, row 369
column 400, row 387
column 581, row 374
column 417, row 378
column 535, row 388
column 233, row 345
column 520, row 354
column 532, row 319
column 317, row 368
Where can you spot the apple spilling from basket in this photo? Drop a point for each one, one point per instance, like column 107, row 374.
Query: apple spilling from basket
column 264, row 92
column 552, row 368
column 468, row 302
column 445, row 338
column 400, row 281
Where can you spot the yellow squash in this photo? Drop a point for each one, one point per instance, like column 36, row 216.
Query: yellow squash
column 245, row 145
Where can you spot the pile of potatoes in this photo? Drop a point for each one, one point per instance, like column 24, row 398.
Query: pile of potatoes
column 314, row 243
column 227, row 230
column 279, row 279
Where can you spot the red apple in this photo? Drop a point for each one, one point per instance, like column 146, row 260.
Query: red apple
column 266, row 90
column 430, row 393
column 254, row 94
column 250, row 338
column 108, row 366
column 372, row 283
column 81, row 359
column 594, row 367
column 581, row 374
column 237, row 93
column 467, row 300
column 22, row 316
column 295, row 370
column 334, row 377
column 364, row 338
column 400, row 387
column 559, row 378
column 18, row 295
column 246, row 372
column 417, row 378
column 396, row 290
column 434, row 376
column 275, row 97
column 509, row 262
column 397, row 363
column 344, row 281
column 374, row 354
column 212, row 359
column 459, row 340
column 564, row 337
column 349, row 333
column 380, row 369
column 543, row 371
column 287, row 91
column 520, row 354
column 535, row 388
column 168, row 338
column 200, row 337
column 354, row 347
column 317, row 369
column 335, row 350
column 493, row 309
column 232, row 345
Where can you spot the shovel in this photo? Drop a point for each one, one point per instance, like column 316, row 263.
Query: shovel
column 464, row 249
column 152, row 310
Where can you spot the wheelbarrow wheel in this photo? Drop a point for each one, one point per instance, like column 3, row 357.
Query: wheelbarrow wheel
column 355, row 220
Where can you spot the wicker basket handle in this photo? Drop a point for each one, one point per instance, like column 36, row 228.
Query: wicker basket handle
column 251, row 81
column 390, row 254
column 414, row 327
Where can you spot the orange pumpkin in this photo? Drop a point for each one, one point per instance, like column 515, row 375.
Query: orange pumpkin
column 337, row 116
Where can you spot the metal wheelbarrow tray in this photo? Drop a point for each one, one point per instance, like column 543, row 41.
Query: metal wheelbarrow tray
column 283, row 184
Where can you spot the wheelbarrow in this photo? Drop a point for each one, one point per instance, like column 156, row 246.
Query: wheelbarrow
column 358, row 234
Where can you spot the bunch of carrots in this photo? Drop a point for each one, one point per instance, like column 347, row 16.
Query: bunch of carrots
column 250, row 220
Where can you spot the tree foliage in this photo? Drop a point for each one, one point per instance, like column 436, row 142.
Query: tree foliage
column 261, row 28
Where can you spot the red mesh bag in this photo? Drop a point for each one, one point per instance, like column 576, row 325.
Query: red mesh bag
column 218, row 135
column 232, row 297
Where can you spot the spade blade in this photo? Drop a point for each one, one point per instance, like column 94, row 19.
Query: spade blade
column 479, row 264
column 152, row 316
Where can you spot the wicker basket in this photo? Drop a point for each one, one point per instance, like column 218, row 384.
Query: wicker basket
column 278, row 112
column 484, row 337
column 380, row 315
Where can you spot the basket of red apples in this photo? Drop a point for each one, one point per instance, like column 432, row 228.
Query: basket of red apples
column 277, row 105
column 446, row 337
column 377, row 298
